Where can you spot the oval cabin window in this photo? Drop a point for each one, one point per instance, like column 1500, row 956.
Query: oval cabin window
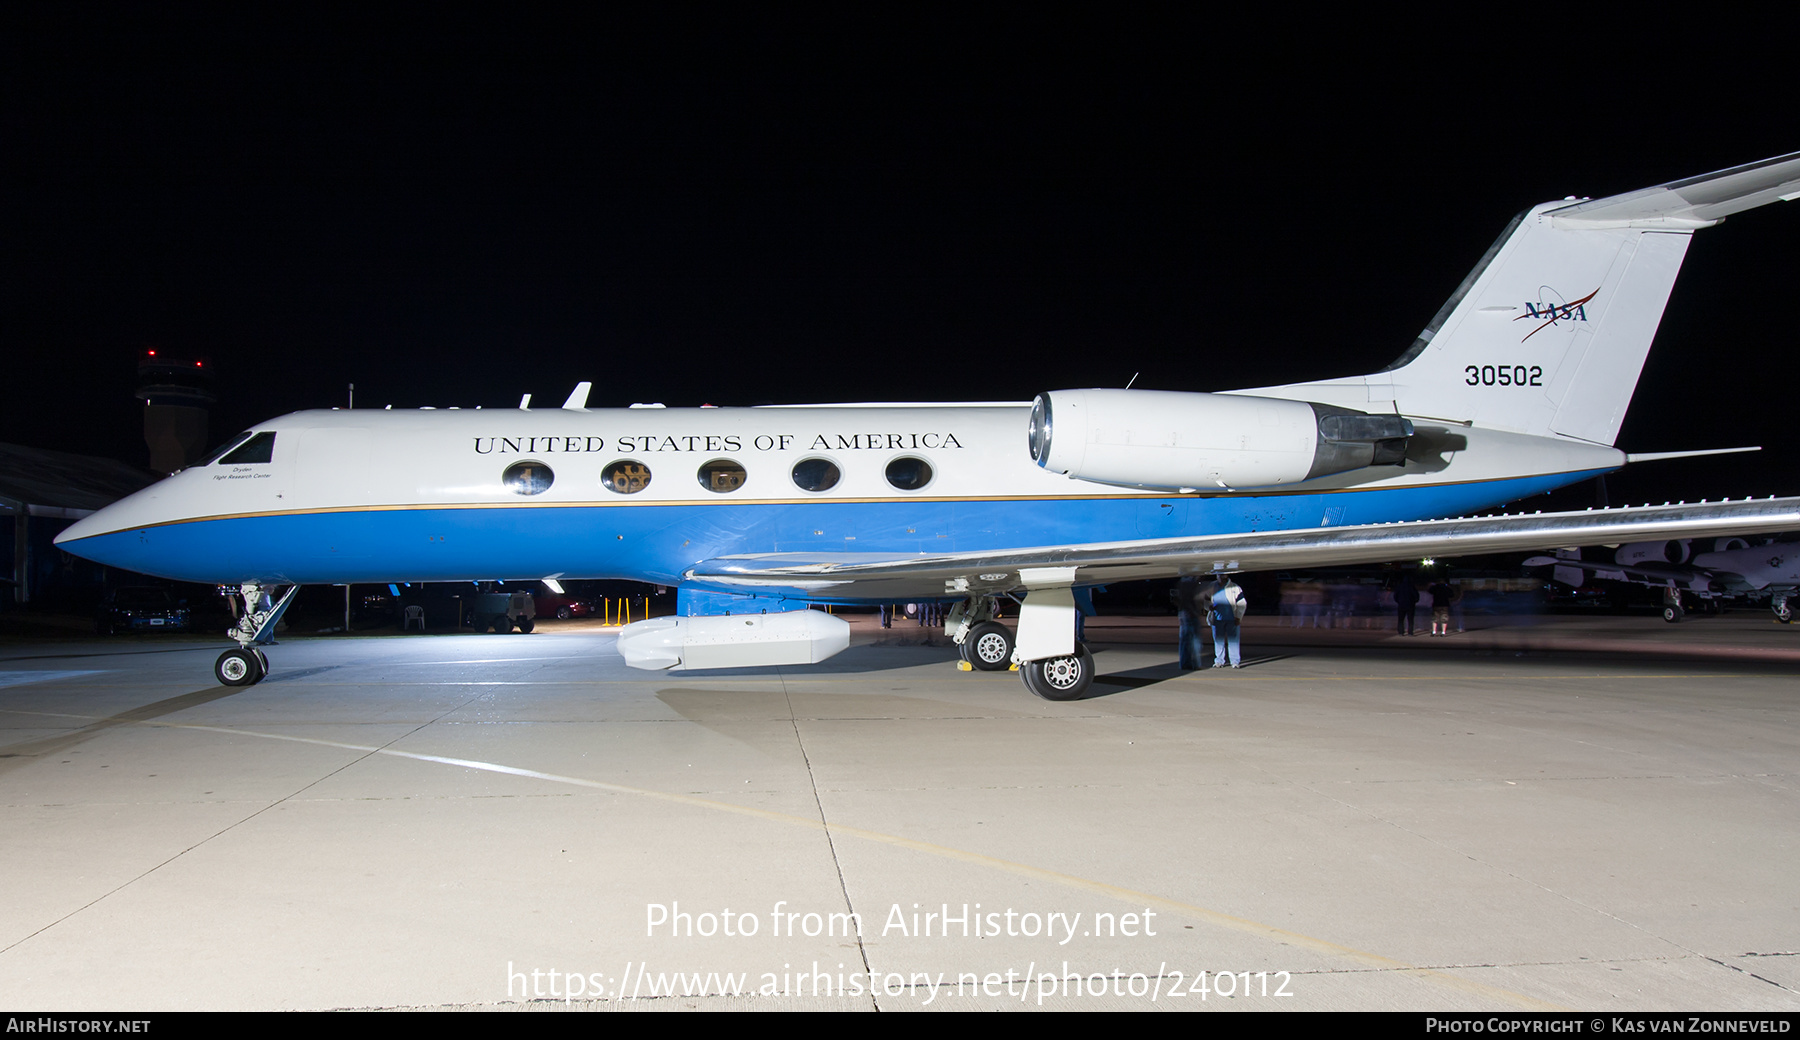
column 527, row 478
column 626, row 476
column 909, row 473
column 721, row 476
column 816, row 474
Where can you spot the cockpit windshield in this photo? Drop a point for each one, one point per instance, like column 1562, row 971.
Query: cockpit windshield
column 246, row 447
column 260, row 448
column 213, row 455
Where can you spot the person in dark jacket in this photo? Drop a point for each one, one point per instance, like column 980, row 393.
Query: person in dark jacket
column 1406, row 601
column 1192, row 597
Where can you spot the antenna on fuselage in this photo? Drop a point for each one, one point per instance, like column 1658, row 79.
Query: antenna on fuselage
column 577, row 401
column 352, row 398
column 525, row 403
column 1134, row 376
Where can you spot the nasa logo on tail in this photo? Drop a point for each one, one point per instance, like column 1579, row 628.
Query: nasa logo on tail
column 1551, row 313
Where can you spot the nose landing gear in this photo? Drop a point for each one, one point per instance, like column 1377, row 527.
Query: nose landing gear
column 241, row 667
column 247, row 665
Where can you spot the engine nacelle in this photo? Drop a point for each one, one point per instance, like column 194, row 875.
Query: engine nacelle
column 1174, row 440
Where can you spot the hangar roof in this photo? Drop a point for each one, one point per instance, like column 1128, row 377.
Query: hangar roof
column 56, row 483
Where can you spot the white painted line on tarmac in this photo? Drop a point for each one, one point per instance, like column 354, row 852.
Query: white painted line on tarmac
column 26, row 678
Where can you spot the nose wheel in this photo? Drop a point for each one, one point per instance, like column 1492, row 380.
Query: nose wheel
column 246, row 665
column 242, row 667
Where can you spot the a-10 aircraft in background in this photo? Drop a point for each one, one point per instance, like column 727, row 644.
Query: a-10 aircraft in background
column 1518, row 385
column 1707, row 569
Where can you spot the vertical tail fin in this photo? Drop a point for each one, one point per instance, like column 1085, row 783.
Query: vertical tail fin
column 1549, row 333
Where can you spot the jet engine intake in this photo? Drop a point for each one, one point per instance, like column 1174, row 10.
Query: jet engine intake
column 1157, row 439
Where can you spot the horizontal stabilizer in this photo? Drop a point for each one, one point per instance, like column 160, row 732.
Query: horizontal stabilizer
column 1652, row 456
column 1695, row 202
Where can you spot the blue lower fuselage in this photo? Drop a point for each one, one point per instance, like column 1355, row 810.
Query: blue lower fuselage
column 657, row 543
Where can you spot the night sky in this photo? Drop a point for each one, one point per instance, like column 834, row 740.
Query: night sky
column 747, row 207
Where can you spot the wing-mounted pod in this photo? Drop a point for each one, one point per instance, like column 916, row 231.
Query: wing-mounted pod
column 1172, row 440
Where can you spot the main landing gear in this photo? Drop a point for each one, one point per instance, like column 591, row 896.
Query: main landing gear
column 985, row 644
column 247, row 665
column 1060, row 678
column 988, row 647
column 1049, row 617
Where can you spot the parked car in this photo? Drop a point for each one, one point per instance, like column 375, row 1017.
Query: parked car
column 143, row 608
column 551, row 605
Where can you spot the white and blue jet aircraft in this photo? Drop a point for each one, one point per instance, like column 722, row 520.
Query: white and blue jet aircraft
column 1518, row 385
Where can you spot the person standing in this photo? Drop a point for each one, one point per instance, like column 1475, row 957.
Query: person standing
column 1406, row 601
column 1192, row 601
column 1226, row 615
column 1440, row 607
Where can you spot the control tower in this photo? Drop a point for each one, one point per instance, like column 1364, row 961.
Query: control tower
column 177, row 395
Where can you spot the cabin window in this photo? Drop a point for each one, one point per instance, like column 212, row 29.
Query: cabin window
column 909, row 473
column 816, row 474
column 527, row 478
column 626, row 476
column 260, row 448
column 721, row 476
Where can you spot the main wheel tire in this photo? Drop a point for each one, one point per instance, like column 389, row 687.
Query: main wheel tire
column 1060, row 678
column 239, row 668
column 1672, row 613
column 1785, row 612
column 988, row 647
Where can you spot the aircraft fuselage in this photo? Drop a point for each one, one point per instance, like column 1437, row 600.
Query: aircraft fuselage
column 644, row 493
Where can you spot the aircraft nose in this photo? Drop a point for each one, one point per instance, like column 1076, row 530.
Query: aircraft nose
column 86, row 527
column 102, row 536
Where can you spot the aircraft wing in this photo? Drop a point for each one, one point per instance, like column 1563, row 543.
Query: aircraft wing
column 1642, row 572
column 884, row 576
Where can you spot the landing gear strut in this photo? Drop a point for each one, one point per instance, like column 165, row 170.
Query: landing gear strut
column 984, row 643
column 247, row 665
